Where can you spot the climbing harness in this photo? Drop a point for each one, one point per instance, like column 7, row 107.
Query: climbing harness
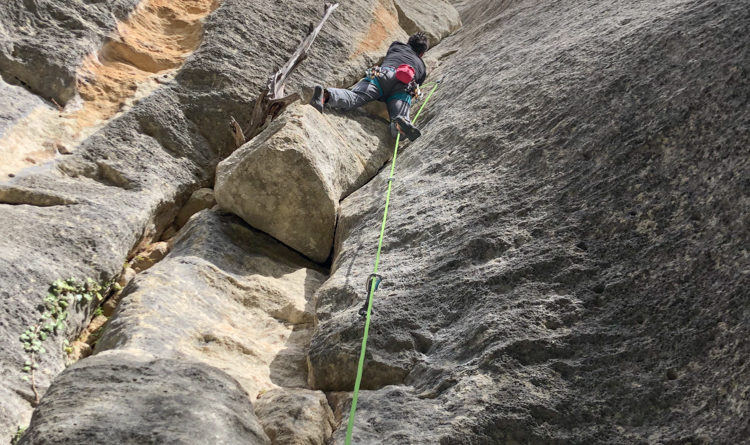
column 373, row 75
column 373, row 281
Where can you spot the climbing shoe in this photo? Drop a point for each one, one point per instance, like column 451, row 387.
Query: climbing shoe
column 406, row 128
column 317, row 98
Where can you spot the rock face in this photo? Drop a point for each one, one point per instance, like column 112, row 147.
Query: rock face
column 82, row 214
column 565, row 257
column 228, row 296
column 288, row 180
column 201, row 199
column 133, row 398
column 44, row 42
column 295, row 416
column 563, row 252
column 437, row 19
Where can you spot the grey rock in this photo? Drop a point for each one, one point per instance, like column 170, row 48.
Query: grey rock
column 201, row 199
column 135, row 398
column 477, row 12
column 150, row 256
column 289, row 179
column 83, row 214
column 227, row 296
column 15, row 102
column 295, row 416
column 387, row 424
column 44, row 42
column 437, row 19
column 564, row 241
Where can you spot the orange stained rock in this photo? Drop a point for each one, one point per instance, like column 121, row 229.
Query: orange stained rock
column 384, row 26
column 157, row 37
column 153, row 42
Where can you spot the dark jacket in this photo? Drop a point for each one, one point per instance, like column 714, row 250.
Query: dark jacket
column 401, row 53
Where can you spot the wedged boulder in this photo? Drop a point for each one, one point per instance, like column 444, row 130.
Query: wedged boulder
column 295, row 416
column 131, row 397
column 288, row 180
column 437, row 19
column 227, row 296
column 152, row 255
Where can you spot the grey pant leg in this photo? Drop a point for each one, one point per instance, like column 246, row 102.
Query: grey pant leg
column 398, row 108
column 361, row 93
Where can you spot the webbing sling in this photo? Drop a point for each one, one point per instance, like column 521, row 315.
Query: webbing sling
column 375, row 271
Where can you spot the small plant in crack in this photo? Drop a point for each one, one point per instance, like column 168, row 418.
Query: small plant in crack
column 95, row 335
column 19, row 433
column 60, row 296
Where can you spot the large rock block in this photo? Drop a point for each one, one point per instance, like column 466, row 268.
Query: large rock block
column 227, row 296
column 129, row 397
column 295, row 416
column 288, row 180
column 437, row 19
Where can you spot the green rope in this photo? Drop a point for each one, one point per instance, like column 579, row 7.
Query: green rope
column 372, row 287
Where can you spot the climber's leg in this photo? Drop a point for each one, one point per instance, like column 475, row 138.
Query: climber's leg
column 400, row 123
column 343, row 99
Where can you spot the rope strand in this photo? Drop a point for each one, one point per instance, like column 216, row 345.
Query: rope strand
column 362, row 351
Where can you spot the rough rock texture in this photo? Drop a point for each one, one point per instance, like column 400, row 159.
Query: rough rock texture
column 201, row 199
column 288, row 180
column 44, row 42
column 228, row 296
column 565, row 258
column 82, row 214
column 295, row 416
column 129, row 397
column 436, row 18
column 15, row 102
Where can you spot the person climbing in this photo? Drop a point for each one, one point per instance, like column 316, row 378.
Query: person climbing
column 396, row 82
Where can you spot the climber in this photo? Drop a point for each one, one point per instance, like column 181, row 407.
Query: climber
column 396, row 82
